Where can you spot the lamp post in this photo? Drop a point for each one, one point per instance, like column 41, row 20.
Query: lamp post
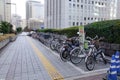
column 15, row 11
column 15, row 6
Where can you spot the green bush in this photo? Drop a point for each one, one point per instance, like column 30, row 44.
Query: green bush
column 5, row 27
column 69, row 32
column 19, row 29
column 109, row 29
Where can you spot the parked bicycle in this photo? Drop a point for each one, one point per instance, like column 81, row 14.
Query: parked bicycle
column 68, row 45
column 80, row 53
column 95, row 56
column 86, row 51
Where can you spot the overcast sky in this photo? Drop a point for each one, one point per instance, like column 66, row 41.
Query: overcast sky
column 21, row 10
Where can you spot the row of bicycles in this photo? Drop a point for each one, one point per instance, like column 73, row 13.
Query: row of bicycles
column 75, row 51
column 72, row 49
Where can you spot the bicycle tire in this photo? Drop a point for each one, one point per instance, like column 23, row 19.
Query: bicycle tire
column 90, row 63
column 74, row 55
column 102, row 57
column 52, row 46
column 64, row 55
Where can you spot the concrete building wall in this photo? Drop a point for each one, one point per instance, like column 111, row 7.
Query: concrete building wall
column 16, row 20
column 35, row 24
column 1, row 10
column 66, row 13
column 5, row 10
column 34, row 9
column 23, row 23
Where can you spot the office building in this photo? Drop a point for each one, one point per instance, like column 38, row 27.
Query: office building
column 16, row 20
column 5, row 10
column 34, row 9
column 66, row 13
column 34, row 12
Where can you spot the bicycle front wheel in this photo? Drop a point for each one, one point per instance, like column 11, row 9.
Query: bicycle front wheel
column 90, row 63
column 75, row 55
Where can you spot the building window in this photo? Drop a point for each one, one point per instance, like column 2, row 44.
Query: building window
column 78, row 5
column 73, row 23
column 69, row 0
column 81, row 1
column 98, row 19
column 73, row 5
column 69, row 5
column 85, row 18
column 73, row 0
column 89, row 2
column 81, row 6
column 102, row 3
column 69, row 23
column 81, row 23
column 101, row 19
column 92, row 2
column 88, row 18
column 99, row 3
column 77, row 0
column 95, row 2
column 77, row 23
column 86, row 1
column 91, row 18
column 69, row 17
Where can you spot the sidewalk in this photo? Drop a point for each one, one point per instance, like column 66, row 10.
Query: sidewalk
column 95, row 77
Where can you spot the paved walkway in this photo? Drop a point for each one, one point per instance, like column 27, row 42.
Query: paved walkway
column 28, row 59
column 95, row 77
column 20, row 63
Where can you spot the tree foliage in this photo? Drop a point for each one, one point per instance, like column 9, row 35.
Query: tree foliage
column 5, row 27
column 19, row 29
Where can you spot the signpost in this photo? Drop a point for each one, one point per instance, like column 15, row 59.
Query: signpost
column 82, row 34
column 42, row 26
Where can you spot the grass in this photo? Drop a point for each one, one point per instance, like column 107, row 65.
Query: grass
column 6, row 36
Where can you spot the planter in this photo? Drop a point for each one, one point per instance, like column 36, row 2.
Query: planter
column 110, row 48
column 13, row 38
column 115, row 46
column 109, row 52
column 4, row 43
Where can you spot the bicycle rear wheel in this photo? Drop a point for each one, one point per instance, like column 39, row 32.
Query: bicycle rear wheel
column 65, row 56
column 90, row 63
column 52, row 45
column 75, row 55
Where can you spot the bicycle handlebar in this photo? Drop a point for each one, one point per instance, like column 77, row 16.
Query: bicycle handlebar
column 91, row 39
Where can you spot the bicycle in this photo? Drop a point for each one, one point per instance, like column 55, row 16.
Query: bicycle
column 80, row 53
column 95, row 56
column 68, row 45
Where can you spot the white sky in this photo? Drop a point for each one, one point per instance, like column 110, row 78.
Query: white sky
column 21, row 7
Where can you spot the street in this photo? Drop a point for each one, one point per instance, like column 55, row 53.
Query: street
column 28, row 59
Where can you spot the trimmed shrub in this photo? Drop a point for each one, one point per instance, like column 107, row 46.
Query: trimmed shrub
column 109, row 29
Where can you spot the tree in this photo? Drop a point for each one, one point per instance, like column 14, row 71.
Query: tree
column 5, row 27
column 19, row 29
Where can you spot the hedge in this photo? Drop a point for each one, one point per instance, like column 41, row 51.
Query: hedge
column 109, row 29
column 69, row 32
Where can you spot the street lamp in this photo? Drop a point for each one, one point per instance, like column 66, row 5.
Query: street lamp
column 15, row 10
column 15, row 6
